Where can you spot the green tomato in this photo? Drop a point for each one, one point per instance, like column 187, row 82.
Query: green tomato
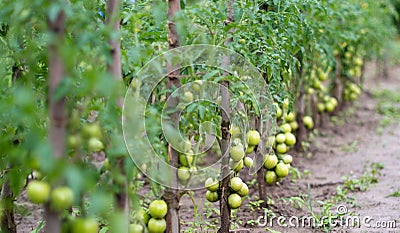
column 281, row 170
column 281, row 148
column 61, row 198
column 286, row 128
column 290, row 139
column 280, row 138
column 237, row 153
column 249, row 149
column 329, row 107
column 183, row 174
column 141, row 216
column 322, row 76
column 358, row 61
column 237, row 166
column 196, row 85
column 334, row 101
column 287, row 159
column 212, row 184
column 308, row 122
column 212, row 196
column 294, row 125
column 74, row 141
column 244, row 191
column 186, row 159
column 310, row 91
column 290, row 117
column 187, row 97
column 317, row 84
column 135, row 228
column 158, row 209
column 234, row 201
column 236, row 184
column 235, row 131
column 270, row 177
column 87, row 225
column 107, row 164
column 95, row 145
column 38, row 191
column 157, row 225
column 92, row 130
column 253, row 137
column 248, row 162
column 270, row 161
column 321, row 107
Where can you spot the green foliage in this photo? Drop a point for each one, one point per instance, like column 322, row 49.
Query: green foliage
column 278, row 37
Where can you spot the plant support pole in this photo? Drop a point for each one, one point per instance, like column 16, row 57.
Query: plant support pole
column 171, row 195
column 115, row 69
column 57, row 109
column 225, row 142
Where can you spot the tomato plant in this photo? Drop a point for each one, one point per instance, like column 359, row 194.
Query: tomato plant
column 67, row 65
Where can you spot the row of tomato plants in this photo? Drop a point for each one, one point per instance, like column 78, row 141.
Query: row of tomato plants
column 64, row 106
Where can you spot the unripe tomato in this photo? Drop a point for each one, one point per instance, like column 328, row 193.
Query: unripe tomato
column 321, row 107
column 158, row 208
column 248, row 162
column 157, row 225
column 87, row 225
column 237, row 166
column 234, row 201
column 281, row 148
column 187, row 97
column 235, row 131
column 95, row 145
column 212, row 196
column 249, row 149
column 270, row 161
column 61, row 198
column 290, row 117
column 286, row 128
column 135, row 228
column 287, row 159
column 183, row 173
column 141, row 216
column 212, row 184
column 237, row 153
column 281, row 170
column 236, row 184
column 308, row 122
column 270, row 177
column 38, row 191
column 280, row 138
column 244, row 191
column 290, row 139
column 253, row 137
column 294, row 125
column 92, row 130
column 329, row 107
column 186, row 159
